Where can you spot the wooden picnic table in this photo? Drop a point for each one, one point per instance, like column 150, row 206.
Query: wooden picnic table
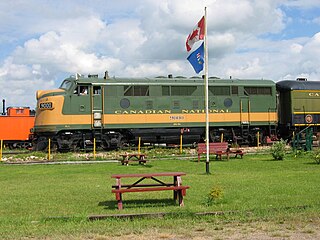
column 157, row 184
column 128, row 157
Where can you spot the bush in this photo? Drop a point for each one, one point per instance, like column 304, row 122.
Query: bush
column 278, row 150
column 214, row 195
column 316, row 156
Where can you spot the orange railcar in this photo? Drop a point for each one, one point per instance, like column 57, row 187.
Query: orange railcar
column 15, row 127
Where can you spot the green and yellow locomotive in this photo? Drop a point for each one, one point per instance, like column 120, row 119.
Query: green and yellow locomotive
column 117, row 111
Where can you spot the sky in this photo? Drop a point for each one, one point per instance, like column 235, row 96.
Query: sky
column 43, row 42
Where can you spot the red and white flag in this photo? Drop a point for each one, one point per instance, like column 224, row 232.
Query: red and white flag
column 196, row 35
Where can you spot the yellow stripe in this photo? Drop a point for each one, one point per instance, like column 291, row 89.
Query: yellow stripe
column 307, row 91
column 306, row 112
column 307, row 124
column 54, row 117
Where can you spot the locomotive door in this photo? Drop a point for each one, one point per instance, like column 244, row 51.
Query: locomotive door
column 97, row 107
column 244, row 110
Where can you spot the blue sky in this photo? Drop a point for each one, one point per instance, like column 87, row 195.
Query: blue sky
column 44, row 41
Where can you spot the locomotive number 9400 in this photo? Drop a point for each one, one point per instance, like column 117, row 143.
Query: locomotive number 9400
column 45, row 105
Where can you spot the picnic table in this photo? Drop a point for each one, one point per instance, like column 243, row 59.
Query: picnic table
column 157, row 184
column 129, row 157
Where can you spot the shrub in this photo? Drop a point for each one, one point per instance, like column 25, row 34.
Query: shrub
column 316, row 156
column 214, row 195
column 278, row 150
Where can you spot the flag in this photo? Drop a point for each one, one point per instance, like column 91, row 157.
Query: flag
column 196, row 35
column 196, row 59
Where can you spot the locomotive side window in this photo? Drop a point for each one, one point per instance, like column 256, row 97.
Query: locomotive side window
column 220, row 90
column 178, row 90
column 183, row 90
column 165, row 91
column 257, row 90
column 234, row 90
column 136, row 90
column 97, row 90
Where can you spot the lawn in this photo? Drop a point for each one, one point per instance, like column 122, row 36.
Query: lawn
column 54, row 201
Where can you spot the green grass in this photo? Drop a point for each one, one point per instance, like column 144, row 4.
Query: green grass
column 54, row 200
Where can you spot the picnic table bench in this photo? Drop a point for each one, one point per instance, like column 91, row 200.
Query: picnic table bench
column 179, row 190
column 219, row 149
column 129, row 157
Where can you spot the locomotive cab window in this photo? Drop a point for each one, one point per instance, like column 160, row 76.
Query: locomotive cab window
column 66, row 84
column 81, row 90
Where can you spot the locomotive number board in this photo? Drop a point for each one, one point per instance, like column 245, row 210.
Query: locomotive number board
column 45, row 105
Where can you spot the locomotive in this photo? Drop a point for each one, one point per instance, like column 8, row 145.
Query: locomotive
column 115, row 112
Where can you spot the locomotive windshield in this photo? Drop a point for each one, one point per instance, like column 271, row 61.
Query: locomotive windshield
column 66, row 84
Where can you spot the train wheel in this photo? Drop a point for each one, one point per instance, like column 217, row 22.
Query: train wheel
column 41, row 144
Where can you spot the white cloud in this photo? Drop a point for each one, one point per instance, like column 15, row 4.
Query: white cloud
column 146, row 38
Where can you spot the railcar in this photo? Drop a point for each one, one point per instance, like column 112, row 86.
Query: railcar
column 118, row 111
column 15, row 127
column 299, row 106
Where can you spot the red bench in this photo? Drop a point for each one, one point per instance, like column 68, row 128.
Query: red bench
column 219, row 149
column 179, row 191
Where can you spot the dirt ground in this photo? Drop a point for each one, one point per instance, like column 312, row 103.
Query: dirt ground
column 255, row 230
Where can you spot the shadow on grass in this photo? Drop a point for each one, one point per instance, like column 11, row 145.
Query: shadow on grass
column 139, row 203
column 224, row 160
column 312, row 163
column 137, row 165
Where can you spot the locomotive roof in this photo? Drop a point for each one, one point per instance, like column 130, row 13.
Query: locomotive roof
column 289, row 85
column 175, row 81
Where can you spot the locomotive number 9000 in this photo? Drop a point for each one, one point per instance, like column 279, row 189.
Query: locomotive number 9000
column 45, row 105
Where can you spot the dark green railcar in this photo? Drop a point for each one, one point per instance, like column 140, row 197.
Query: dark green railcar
column 299, row 106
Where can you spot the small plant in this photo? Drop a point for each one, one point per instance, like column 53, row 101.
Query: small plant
column 278, row 150
column 316, row 156
column 214, row 195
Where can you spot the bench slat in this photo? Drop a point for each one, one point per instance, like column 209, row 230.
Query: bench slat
column 149, row 189
column 142, row 185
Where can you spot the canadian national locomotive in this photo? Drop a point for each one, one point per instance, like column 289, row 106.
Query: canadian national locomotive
column 118, row 111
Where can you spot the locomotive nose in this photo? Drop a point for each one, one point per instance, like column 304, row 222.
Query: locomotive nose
column 39, row 94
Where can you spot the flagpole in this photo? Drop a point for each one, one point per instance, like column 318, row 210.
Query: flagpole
column 206, row 89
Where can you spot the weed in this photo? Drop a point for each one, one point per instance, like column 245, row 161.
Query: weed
column 278, row 150
column 214, row 195
column 316, row 156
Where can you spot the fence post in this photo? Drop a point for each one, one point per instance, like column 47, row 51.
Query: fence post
column 94, row 148
column 139, row 142
column 221, row 138
column 258, row 139
column 180, row 143
column 49, row 149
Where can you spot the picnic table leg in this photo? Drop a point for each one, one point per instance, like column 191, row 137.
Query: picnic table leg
column 141, row 159
column 175, row 183
column 120, row 201
column 180, row 197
